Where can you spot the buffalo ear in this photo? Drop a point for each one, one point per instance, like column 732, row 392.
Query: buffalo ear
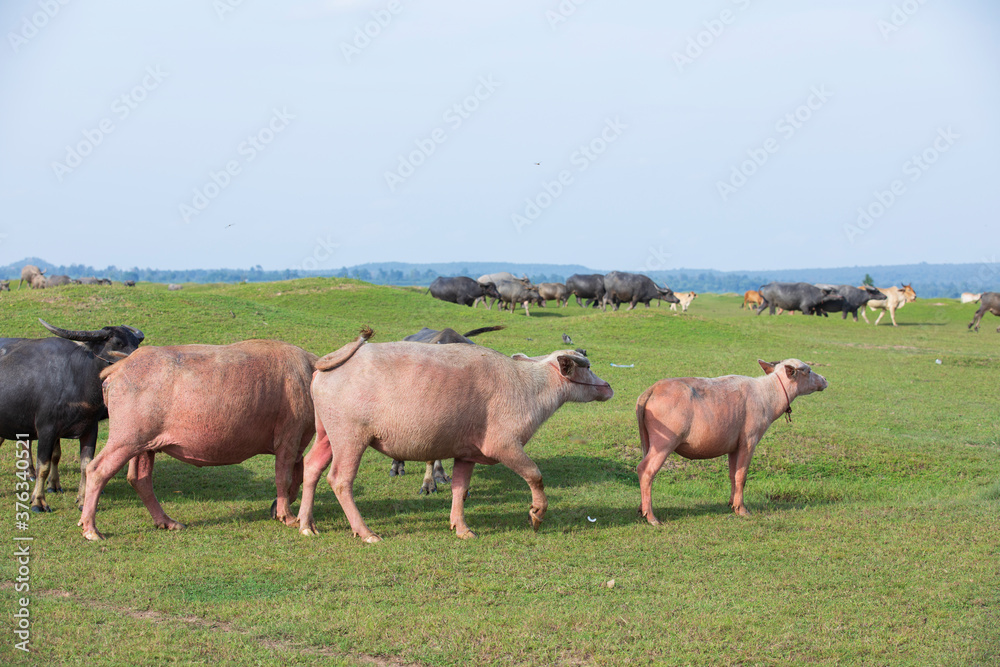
column 768, row 368
column 566, row 364
column 790, row 371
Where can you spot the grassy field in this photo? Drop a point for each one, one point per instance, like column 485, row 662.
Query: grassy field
column 874, row 536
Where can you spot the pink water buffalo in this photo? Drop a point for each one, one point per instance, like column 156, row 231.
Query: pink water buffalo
column 423, row 402
column 207, row 405
column 703, row 418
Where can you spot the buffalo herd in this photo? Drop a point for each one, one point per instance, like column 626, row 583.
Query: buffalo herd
column 434, row 395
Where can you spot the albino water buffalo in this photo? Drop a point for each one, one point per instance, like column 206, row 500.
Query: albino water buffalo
column 4, row 285
column 703, row 418
column 425, row 402
column 990, row 303
column 29, row 274
column 207, row 405
column 971, row 297
column 896, row 298
column 554, row 291
column 684, row 299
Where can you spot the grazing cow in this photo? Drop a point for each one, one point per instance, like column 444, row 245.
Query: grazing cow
column 129, row 283
column 752, row 298
column 633, row 288
column 207, row 405
column 461, row 290
column 435, row 471
column 172, row 287
column 4, row 285
column 588, row 287
column 425, row 402
column 556, row 291
column 793, row 296
column 990, row 304
column 685, row 301
column 969, row 297
column 29, row 274
column 704, row 418
column 848, row 299
column 896, row 298
column 51, row 389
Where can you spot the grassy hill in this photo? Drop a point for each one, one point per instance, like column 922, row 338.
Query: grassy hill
column 873, row 540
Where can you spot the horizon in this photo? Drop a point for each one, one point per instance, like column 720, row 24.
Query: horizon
column 321, row 134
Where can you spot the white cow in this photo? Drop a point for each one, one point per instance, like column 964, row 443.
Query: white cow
column 685, row 299
column 969, row 297
column 896, row 297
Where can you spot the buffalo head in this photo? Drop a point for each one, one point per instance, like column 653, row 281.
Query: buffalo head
column 667, row 294
column 109, row 343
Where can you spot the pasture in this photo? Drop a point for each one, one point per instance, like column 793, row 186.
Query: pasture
column 873, row 538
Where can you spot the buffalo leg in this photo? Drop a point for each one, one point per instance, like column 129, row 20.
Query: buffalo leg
column 284, row 473
column 738, row 477
column 88, row 445
column 317, row 461
column 47, row 442
column 440, row 476
column 975, row 320
column 515, row 459
column 429, row 484
column 461, row 474
column 651, row 463
column 397, row 468
column 105, row 466
column 140, row 476
column 346, row 458
column 54, row 485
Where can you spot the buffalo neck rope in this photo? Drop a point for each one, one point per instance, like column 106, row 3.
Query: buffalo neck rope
column 788, row 410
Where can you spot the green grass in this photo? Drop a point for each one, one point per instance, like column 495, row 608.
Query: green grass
column 874, row 536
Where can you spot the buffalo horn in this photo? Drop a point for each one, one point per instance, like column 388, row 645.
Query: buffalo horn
column 82, row 336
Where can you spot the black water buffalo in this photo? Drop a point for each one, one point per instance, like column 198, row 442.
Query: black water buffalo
column 794, row 296
column 51, row 389
column 435, row 471
column 589, row 287
column 632, row 288
column 461, row 290
column 518, row 293
column 988, row 302
column 129, row 283
column 847, row 299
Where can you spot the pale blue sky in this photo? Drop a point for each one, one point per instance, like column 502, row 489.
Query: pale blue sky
column 310, row 119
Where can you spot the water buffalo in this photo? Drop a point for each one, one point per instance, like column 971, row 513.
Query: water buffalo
column 129, row 283
column 556, row 291
column 633, row 288
column 517, row 293
column 4, row 285
column 848, row 299
column 425, row 402
column 588, row 287
column 28, row 274
column 59, row 281
column 497, row 278
column 793, row 296
column 90, row 280
column 989, row 303
column 435, row 471
column 207, row 405
column 461, row 290
column 172, row 287
column 895, row 298
column 703, row 418
column 51, row 389
column 37, row 282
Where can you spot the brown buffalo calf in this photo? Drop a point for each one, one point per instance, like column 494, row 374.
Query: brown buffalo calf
column 704, row 418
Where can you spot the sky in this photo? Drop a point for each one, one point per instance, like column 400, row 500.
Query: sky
column 733, row 134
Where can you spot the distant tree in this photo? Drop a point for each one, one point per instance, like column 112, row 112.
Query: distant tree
column 868, row 281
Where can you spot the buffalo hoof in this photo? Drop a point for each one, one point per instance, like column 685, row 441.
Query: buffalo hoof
column 427, row 488
column 536, row 519
column 54, row 489
column 170, row 524
column 442, row 478
column 92, row 535
column 465, row 535
column 742, row 511
column 372, row 539
column 41, row 508
column 309, row 531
